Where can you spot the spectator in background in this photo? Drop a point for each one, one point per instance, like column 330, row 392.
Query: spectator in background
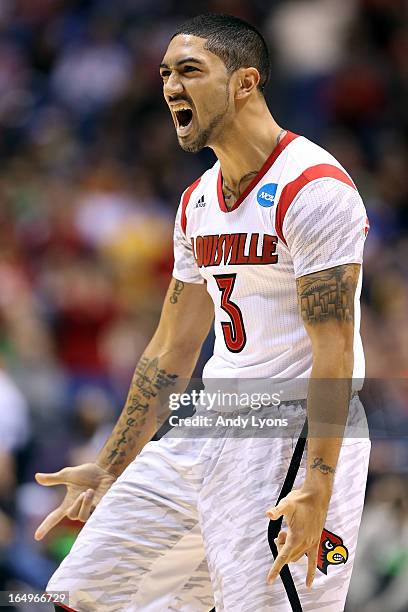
column 14, row 416
column 381, row 563
column 93, row 73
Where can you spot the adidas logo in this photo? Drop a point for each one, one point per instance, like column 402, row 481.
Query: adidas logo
column 200, row 203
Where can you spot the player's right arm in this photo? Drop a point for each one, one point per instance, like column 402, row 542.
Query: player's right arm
column 165, row 367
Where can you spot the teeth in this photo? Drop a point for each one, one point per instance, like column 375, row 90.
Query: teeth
column 181, row 108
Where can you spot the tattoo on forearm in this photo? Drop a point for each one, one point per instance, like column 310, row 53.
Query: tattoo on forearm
column 147, row 381
column 328, row 294
column 322, row 467
column 177, row 289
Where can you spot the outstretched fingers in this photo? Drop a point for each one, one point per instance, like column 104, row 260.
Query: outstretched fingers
column 281, row 509
column 282, row 559
column 49, row 522
column 51, row 479
column 312, row 556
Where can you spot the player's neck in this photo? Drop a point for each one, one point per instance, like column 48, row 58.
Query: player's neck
column 244, row 149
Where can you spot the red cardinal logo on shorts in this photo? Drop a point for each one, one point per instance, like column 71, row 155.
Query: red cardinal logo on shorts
column 331, row 551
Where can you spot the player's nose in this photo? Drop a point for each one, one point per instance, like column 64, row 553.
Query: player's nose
column 173, row 86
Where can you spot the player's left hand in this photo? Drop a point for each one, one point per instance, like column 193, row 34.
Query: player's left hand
column 304, row 512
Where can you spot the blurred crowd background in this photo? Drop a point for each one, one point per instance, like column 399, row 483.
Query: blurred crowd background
column 90, row 178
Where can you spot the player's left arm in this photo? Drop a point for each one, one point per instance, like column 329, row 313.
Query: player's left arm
column 325, row 227
column 326, row 301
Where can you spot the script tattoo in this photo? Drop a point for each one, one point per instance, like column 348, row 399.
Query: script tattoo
column 147, row 381
column 177, row 289
column 281, row 134
column 230, row 192
column 328, row 294
column 235, row 193
column 322, row 467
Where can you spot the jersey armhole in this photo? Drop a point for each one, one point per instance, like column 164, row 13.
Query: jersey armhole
column 184, row 203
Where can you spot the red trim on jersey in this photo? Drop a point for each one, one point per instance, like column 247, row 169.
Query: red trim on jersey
column 60, row 605
column 291, row 190
column 184, row 202
column 366, row 227
column 287, row 139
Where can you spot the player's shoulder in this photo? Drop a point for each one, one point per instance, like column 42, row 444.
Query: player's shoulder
column 306, row 162
column 197, row 190
column 301, row 146
column 313, row 185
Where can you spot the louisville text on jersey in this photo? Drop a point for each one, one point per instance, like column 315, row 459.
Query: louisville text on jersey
column 234, row 249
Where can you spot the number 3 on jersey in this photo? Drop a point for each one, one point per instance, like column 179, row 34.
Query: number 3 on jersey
column 234, row 330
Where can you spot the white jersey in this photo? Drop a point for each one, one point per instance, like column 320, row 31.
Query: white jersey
column 300, row 214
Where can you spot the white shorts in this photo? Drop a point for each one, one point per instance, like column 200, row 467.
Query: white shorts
column 184, row 528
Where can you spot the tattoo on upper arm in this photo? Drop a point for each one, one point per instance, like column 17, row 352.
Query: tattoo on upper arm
column 328, row 294
column 177, row 289
column 322, row 467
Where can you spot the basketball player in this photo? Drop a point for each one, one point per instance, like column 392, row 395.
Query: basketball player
column 270, row 242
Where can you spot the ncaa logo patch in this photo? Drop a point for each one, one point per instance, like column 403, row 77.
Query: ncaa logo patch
column 266, row 195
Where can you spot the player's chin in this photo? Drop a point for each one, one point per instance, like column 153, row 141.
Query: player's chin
column 191, row 147
column 190, row 142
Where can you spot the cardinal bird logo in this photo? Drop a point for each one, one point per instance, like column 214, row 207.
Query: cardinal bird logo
column 331, row 551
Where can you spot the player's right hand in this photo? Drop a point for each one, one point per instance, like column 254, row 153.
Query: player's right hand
column 86, row 485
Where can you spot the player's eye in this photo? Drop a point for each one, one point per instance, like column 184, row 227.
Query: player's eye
column 328, row 545
column 164, row 74
column 190, row 69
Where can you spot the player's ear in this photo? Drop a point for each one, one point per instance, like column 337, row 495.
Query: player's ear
column 247, row 80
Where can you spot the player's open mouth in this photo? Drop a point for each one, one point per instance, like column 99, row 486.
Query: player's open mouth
column 184, row 120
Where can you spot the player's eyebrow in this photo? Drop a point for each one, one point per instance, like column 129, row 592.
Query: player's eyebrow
column 191, row 60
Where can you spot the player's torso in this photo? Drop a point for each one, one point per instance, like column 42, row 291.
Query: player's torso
column 243, row 258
